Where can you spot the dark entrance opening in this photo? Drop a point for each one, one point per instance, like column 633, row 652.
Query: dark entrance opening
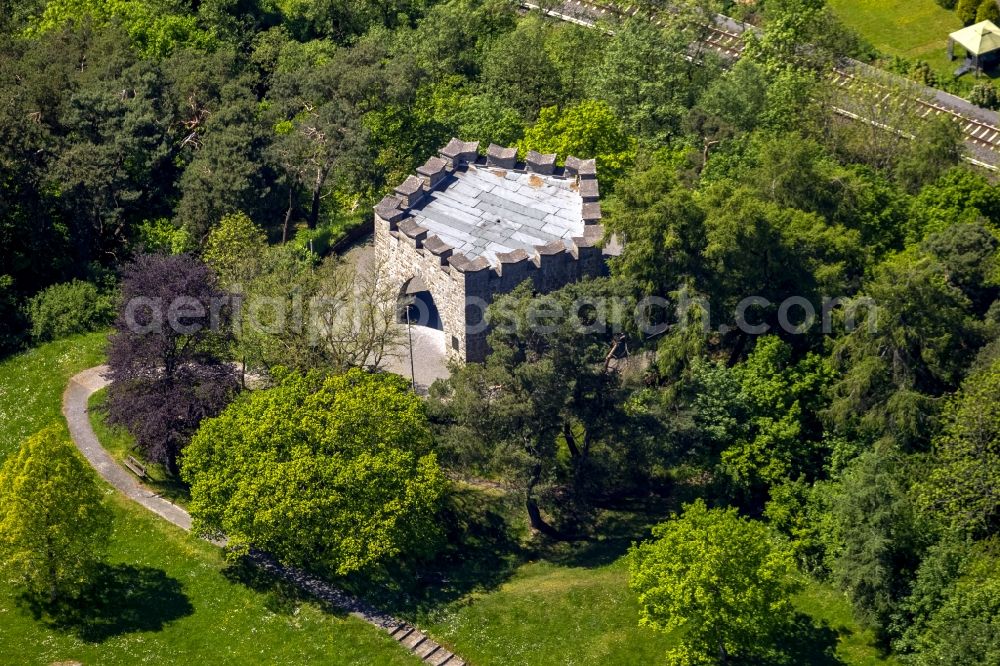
column 416, row 302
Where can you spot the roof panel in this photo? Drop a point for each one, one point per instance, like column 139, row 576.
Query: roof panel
column 482, row 211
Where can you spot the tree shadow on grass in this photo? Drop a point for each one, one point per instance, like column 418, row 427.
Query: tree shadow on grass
column 804, row 641
column 281, row 597
column 619, row 525
column 480, row 549
column 120, row 599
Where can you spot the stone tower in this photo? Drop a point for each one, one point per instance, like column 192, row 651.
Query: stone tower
column 466, row 228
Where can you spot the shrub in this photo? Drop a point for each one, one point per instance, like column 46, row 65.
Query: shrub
column 967, row 10
column 922, row 73
column 985, row 95
column 68, row 308
column 335, row 472
column 947, row 4
column 988, row 11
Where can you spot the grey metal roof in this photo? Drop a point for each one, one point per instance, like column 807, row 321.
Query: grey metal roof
column 482, row 211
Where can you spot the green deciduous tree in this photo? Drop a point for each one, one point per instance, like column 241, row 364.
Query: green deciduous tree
column 235, row 250
column 940, row 568
column 798, row 509
column 718, row 580
column 53, row 522
column 589, row 129
column 332, row 472
column 963, row 486
column 453, row 36
column 155, row 26
column 959, row 196
column 163, row 236
column 747, row 97
column 964, row 629
column 454, row 108
column 520, row 70
column 780, row 436
column 663, row 224
column 936, row 147
column 761, row 248
column 643, row 78
column 342, row 19
column 545, row 389
column 788, row 26
column 575, row 54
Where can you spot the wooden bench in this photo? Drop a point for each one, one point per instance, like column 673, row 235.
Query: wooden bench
column 135, row 467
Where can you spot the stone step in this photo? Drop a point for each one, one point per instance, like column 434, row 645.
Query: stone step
column 439, row 658
column 404, row 631
column 426, row 649
column 414, row 639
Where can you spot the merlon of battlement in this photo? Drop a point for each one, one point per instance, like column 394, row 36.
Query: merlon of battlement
column 460, row 152
column 435, row 245
column 585, row 169
column 513, row 257
column 589, row 191
column 500, row 157
column 411, row 191
column 592, row 235
column 539, row 163
column 410, row 227
column 433, row 171
column 389, row 209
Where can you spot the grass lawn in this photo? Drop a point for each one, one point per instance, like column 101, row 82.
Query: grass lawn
column 31, row 386
column 165, row 597
column 912, row 29
column 552, row 614
column 828, row 606
column 569, row 603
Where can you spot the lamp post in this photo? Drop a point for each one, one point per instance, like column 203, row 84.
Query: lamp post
column 409, row 334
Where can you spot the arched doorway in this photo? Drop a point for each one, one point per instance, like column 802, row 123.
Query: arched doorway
column 416, row 305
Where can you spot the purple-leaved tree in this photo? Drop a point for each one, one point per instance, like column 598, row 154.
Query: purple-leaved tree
column 168, row 354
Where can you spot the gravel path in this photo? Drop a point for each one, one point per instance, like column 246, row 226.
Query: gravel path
column 75, row 400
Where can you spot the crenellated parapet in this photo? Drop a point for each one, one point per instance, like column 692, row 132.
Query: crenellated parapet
column 473, row 226
column 399, row 213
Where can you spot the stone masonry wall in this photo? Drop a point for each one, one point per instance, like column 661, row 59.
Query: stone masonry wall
column 404, row 261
